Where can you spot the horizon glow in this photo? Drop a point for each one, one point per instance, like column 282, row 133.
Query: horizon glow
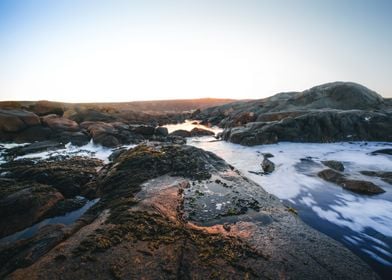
column 113, row 51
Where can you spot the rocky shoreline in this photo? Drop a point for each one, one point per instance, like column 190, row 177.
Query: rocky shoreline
column 143, row 226
column 153, row 215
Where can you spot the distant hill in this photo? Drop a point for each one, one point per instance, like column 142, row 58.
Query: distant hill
column 150, row 107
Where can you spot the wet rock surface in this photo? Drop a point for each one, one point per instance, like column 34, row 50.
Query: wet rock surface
column 31, row 190
column 23, row 204
column 384, row 175
column 145, row 227
column 359, row 186
column 267, row 165
column 68, row 175
column 334, row 164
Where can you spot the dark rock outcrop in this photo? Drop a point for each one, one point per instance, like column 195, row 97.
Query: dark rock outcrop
column 267, row 165
column 382, row 152
column 323, row 126
column 181, row 133
column 68, row 175
column 358, row 186
column 334, row 164
column 22, row 204
column 384, row 175
column 57, row 123
column 36, row 147
column 196, row 132
column 17, row 120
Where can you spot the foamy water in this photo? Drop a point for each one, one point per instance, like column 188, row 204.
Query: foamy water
column 88, row 150
column 363, row 223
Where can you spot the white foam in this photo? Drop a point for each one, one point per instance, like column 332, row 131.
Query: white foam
column 330, row 202
column 88, row 150
column 188, row 125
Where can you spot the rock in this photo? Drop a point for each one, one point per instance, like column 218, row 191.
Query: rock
column 155, row 159
column 65, row 206
column 177, row 140
column 116, row 154
column 25, row 252
column 181, row 132
column 75, row 138
column 384, row 175
column 267, row 165
column 334, row 164
column 102, row 133
column 322, row 126
column 363, row 187
column 68, row 176
column 17, row 120
column 57, row 123
column 83, row 115
column 358, row 186
column 32, row 134
column 331, row 176
column 267, row 155
column 161, row 131
column 196, row 132
column 337, row 95
column 117, row 133
column 43, row 107
column 36, row 147
column 27, row 205
column 382, row 152
column 144, row 130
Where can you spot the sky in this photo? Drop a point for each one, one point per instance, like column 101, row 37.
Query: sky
column 107, row 51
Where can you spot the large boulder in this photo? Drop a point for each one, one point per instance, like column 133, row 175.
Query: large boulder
column 57, row 123
column 102, row 133
column 17, row 120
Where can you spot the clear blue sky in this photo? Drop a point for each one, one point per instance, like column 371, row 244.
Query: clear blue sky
column 81, row 50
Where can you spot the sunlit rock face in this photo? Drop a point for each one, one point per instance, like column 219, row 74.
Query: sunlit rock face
column 177, row 211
